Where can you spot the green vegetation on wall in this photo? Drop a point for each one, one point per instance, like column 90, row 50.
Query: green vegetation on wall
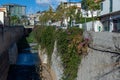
column 46, row 38
column 31, row 38
column 67, row 45
column 84, row 20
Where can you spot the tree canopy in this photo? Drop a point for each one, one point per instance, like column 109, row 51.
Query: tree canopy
column 91, row 4
column 14, row 20
column 62, row 12
column 48, row 15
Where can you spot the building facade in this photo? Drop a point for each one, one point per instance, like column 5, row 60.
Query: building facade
column 15, row 9
column 34, row 18
column 88, row 13
column 4, row 21
column 110, row 15
column 68, row 4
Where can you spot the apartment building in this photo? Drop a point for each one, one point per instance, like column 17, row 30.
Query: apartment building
column 15, row 9
column 110, row 15
column 68, row 4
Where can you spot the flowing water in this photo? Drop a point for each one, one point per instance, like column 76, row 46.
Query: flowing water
column 27, row 66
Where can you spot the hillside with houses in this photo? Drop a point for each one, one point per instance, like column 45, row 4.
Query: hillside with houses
column 74, row 41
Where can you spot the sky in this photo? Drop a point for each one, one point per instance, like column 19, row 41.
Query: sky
column 32, row 6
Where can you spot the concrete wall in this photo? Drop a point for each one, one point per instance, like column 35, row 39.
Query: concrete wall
column 56, row 65
column 13, row 53
column 116, row 4
column 99, row 65
column 98, row 27
column 56, row 68
column 8, row 37
column 106, row 41
column 4, row 65
column 103, row 59
column 106, row 6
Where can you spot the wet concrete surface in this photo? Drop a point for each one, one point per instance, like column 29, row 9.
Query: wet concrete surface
column 23, row 72
column 26, row 68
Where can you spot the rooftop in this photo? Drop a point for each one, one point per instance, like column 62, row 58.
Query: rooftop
column 12, row 4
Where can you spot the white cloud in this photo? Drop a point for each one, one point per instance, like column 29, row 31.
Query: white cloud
column 42, row 1
column 49, row 1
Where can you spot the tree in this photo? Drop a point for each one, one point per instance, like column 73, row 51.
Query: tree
column 14, row 20
column 44, row 18
column 24, row 20
column 60, row 12
column 92, row 5
column 71, row 13
column 78, row 16
column 65, row 12
column 48, row 15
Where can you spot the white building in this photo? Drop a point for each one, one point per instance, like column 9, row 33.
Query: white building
column 1, row 18
column 31, row 19
column 68, row 4
column 88, row 13
column 34, row 18
column 110, row 15
column 66, row 20
column 4, row 20
column 98, row 26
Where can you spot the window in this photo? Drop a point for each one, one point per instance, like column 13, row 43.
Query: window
column 101, row 6
column 111, row 5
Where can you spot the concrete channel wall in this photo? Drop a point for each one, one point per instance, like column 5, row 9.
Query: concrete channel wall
column 103, row 59
column 105, row 41
column 8, row 38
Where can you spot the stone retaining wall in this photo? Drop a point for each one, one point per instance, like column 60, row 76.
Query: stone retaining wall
column 8, row 37
column 103, row 59
column 105, row 41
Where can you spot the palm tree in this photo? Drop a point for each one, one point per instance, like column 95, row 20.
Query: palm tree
column 91, row 5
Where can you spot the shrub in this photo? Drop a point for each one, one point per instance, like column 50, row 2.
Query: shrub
column 46, row 38
column 67, row 45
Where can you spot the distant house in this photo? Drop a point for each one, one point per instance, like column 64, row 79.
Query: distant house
column 4, row 21
column 65, row 21
column 69, row 4
column 88, row 23
column 110, row 15
column 15, row 9
column 31, row 19
column 34, row 18
column 88, row 14
column 98, row 26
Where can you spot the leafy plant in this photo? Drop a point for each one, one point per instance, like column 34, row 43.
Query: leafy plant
column 84, row 20
column 31, row 38
column 14, row 20
column 67, row 45
column 91, row 5
column 45, row 37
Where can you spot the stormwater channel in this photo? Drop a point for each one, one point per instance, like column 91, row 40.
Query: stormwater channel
column 27, row 65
